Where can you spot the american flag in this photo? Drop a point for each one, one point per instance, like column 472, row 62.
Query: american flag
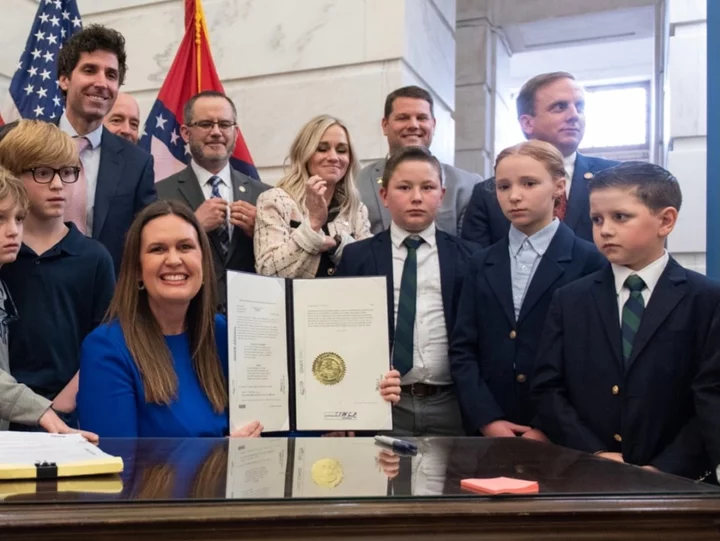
column 34, row 90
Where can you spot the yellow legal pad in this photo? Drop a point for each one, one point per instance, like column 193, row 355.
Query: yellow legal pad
column 36, row 455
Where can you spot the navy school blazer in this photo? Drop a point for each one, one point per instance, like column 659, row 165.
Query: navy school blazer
column 586, row 400
column 373, row 257
column 485, row 223
column 492, row 355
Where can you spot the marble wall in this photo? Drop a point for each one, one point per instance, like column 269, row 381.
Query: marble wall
column 283, row 61
column 686, row 126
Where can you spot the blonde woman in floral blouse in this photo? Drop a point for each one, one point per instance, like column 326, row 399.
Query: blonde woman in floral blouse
column 304, row 223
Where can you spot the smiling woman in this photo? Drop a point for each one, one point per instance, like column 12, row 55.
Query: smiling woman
column 304, row 223
column 158, row 366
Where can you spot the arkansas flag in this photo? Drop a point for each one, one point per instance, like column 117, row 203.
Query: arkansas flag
column 192, row 71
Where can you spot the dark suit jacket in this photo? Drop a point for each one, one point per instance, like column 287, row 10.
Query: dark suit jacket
column 125, row 185
column 485, row 223
column 586, row 400
column 373, row 257
column 184, row 186
column 492, row 356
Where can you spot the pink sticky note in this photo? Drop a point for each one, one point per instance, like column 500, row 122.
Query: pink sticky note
column 500, row 485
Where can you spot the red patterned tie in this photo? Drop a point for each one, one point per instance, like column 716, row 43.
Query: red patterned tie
column 561, row 207
column 76, row 208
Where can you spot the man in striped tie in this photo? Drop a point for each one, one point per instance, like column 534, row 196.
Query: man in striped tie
column 425, row 266
column 223, row 198
column 629, row 367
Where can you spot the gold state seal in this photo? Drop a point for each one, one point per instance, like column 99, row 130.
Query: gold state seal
column 329, row 368
column 327, row 473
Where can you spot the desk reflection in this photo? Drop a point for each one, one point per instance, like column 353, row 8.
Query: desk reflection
column 272, row 469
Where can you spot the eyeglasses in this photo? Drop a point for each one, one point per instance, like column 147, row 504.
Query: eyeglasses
column 207, row 125
column 45, row 175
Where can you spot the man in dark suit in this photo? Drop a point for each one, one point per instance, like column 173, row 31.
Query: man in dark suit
column 626, row 364
column 551, row 108
column 425, row 268
column 223, row 199
column 117, row 178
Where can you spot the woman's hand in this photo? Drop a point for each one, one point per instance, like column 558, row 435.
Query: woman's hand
column 249, row 430
column 51, row 422
column 390, row 387
column 315, row 203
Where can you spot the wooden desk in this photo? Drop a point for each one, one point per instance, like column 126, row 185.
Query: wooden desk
column 178, row 490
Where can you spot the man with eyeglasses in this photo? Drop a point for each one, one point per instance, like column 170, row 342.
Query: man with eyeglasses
column 223, row 198
column 117, row 177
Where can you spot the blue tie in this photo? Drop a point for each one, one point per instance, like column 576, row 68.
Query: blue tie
column 221, row 232
column 404, row 329
column 632, row 314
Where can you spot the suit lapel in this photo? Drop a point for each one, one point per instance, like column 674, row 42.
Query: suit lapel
column 447, row 256
column 578, row 203
column 667, row 293
column 382, row 254
column 499, row 277
column 377, row 175
column 108, row 179
column 606, row 301
column 551, row 267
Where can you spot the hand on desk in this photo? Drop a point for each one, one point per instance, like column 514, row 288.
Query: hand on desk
column 504, row 429
column 617, row 457
column 249, row 430
column 390, row 387
column 650, row 468
column 537, row 435
column 51, row 423
column 389, row 463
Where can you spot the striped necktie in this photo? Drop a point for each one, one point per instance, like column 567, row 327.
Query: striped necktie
column 405, row 327
column 221, row 232
column 632, row 314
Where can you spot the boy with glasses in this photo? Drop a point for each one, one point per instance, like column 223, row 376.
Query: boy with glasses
column 62, row 281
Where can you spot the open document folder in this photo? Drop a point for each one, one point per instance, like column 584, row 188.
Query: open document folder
column 37, row 455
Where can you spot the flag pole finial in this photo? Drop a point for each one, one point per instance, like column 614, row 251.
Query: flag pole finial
column 198, row 42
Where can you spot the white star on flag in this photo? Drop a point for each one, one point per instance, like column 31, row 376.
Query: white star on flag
column 29, row 89
column 52, row 39
column 37, row 53
column 174, row 137
column 76, row 22
column 55, row 21
column 66, row 15
column 48, row 56
column 57, row 102
column 45, row 75
column 187, row 148
column 40, row 35
column 42, row 92
column 44, row 17
column 32, row 71
column 160, row 122
column 58, row 4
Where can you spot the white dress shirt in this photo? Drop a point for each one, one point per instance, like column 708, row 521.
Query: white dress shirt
column 90, row 158
column 569, row 162
column 525, row 255
column 225, row 188
column 430, row 344
column 650, row 275
column 429, row 468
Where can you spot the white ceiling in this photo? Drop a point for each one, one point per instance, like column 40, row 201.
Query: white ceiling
column 617, row 25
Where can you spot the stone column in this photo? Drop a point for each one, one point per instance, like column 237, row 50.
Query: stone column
column 284, row 61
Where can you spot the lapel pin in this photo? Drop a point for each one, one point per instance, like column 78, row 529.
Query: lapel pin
column 242, row 188
column 588, row 175
column 379, row 180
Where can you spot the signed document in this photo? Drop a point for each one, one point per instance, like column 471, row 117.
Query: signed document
column 308, row 354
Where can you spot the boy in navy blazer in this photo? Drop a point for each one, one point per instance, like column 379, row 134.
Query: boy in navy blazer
column 506, row 296
column 628, row 352
column 424, row 267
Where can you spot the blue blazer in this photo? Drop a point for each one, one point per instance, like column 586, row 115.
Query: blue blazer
column 485, row 223
column 492, row 356
column 125, row 185
column 373, row 257
column 586, row 400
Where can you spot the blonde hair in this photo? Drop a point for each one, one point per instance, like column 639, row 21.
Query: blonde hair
column 541, row 151
column 33, row 143
column 13, row 188
column 303, row 147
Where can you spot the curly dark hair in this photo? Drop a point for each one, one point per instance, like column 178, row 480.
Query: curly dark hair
column 93, row 38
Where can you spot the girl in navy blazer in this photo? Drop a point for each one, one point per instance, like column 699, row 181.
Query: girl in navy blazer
column 507, row 292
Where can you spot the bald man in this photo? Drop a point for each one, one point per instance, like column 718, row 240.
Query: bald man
column 124, row 118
